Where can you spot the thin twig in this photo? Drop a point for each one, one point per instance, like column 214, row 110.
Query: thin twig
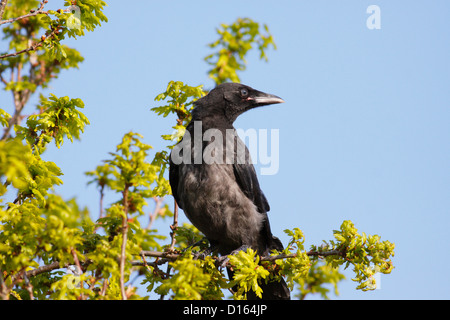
column 31, row 14
column 33, row 47
column 104, row 287
column 77, row 262
column 20, row 98
column 153, row 215
column 156, row 254
column 47, row 268
column 38, row 44
column 3, row 4
column 79, row 270
column 102, row 195
column 174, row 226
column 28, row 285
column 173, row 229
column 309, row 253
column 124, row 242
column 4, row 290
column 3, row 80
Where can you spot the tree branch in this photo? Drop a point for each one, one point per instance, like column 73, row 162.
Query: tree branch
column 38, row 44
column 174, row 226
column 47, row 268
column 156, row 254
column 31, row 14
column 173, row 229
column 55, row 265
column 309, row 253
column 124, row 242
column 164, row 257
column 174, row 256
column 33, row 47
column 20, row 98
column 153, row 215
column 2, row 8
column 79, row 270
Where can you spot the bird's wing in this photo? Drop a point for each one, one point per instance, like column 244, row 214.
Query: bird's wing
column 245, row 175
column 246, row 178
column 248, row 182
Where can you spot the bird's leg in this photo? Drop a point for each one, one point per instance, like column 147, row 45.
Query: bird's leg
column 202, row 254
column 199, row 243
column 206, row 252
column 223, row 260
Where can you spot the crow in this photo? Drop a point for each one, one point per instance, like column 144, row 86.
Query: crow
column 214, row 181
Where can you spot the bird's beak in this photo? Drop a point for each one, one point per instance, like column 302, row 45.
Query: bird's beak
column 263, row 99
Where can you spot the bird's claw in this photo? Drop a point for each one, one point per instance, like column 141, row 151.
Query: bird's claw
column 223, row 260
column 203, row 253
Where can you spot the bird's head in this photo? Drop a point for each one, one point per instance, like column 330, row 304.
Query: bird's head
column 231, row 100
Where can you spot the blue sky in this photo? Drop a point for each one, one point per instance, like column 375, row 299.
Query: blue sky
column 364, row 132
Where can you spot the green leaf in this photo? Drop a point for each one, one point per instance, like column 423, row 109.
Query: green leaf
column 234, row 42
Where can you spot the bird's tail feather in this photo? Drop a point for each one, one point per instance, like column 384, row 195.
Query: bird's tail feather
column 275, row 290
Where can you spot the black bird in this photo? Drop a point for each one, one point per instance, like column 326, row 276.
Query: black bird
column 223, row 198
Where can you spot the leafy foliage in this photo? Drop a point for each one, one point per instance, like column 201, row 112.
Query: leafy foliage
column 193, row 279
column 367, row 254
column 59, row 119
column 180, row 101
column 4, row 117
column 50, row 248
column 247, row 272
column 86, row 15
column 234, row 42
column 315, row 282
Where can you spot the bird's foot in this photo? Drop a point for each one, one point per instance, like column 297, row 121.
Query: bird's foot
column 202, row 253
column 223, row 260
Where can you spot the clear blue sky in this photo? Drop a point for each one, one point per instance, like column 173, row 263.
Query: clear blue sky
column 364, row 131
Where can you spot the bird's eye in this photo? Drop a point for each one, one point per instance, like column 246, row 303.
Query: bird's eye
column 244, row 92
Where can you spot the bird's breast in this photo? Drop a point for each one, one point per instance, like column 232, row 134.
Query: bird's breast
column 215, row 204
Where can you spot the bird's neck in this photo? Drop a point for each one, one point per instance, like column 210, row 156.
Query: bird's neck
column 213, row 122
